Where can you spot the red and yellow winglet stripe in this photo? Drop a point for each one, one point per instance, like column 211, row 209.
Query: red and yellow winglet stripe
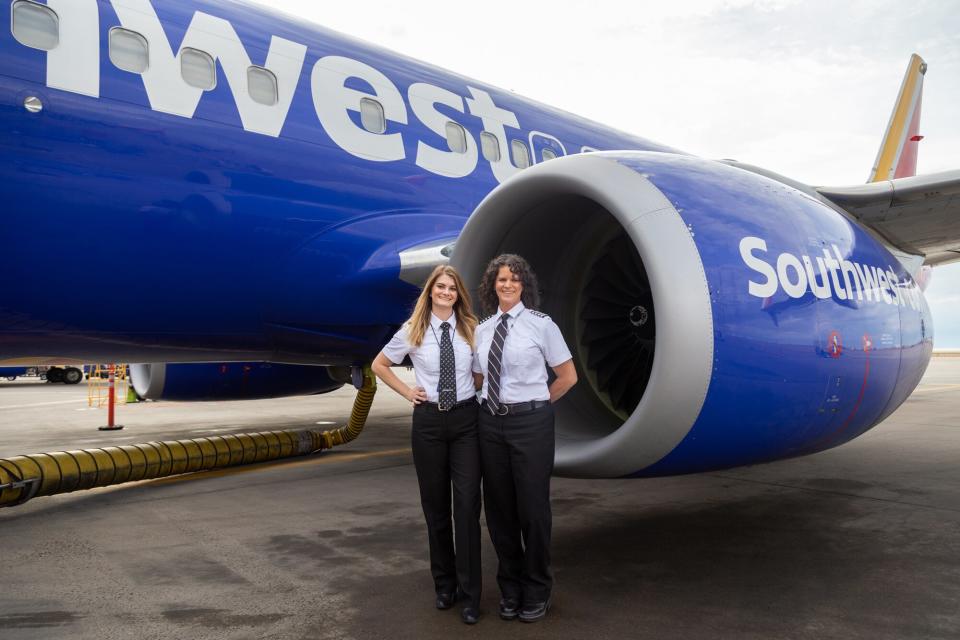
column 897, row 157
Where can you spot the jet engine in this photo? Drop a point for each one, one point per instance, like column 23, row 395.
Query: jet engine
column 230, row 381
column 676, row 282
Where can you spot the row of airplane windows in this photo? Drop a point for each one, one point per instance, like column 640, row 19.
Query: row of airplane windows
column 38, row 26
column 373, row 120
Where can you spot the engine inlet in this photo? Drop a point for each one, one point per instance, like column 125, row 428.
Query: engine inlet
column 617, row 326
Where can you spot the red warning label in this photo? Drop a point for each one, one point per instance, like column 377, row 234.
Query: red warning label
column 834, row 344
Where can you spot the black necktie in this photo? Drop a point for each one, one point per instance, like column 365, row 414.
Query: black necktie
column 495, row 362
column 447, row 387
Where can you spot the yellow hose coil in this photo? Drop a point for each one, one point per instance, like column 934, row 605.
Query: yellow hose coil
column 358, row 416
column 47, row 474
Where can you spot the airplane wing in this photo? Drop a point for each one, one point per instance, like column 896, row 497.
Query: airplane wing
column 918, row 214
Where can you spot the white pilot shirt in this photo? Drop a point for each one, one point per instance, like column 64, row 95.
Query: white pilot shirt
column 533, row 341
column 426, row 358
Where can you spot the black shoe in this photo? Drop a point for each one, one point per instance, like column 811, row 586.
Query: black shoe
column 446, row 600
column 534, row 611
column 470, row 615
column 509, row 608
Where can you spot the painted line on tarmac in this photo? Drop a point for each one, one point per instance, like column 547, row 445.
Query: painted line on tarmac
column 42, row 404
column 845, row 494
column 936, row 388
column 276, row 464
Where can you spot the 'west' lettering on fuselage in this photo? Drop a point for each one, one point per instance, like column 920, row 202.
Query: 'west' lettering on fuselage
column 75, row 66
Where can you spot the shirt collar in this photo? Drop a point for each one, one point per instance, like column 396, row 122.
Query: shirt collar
column 435, row 322
column 513, row 313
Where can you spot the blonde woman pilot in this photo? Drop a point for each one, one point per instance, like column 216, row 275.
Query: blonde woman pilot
column 439, row 338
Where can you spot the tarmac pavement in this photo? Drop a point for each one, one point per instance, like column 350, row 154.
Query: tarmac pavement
column 857, row 542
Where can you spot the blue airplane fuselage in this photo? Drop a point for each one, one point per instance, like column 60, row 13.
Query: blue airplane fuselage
column 177, row 224
column 162, row 232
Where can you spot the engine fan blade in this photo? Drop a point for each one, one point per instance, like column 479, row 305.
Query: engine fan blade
column 617, row 324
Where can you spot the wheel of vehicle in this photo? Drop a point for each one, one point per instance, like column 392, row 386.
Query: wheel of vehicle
column 55, row 375
column 72, row 376
column 11, row 378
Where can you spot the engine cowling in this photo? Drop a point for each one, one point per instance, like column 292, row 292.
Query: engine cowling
column 229, row 381
column 12, row 372
column 677, row 284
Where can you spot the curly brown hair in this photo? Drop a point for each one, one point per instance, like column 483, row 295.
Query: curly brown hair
column 518, row 266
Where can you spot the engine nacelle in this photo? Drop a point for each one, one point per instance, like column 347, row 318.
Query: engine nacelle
column 229, row 381
column 12, row 373
column 716, row 317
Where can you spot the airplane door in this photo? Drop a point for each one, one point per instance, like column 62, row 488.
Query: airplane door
column 545, row 147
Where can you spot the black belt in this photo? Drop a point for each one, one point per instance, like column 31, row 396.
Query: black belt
column 516, row 407
column 459, row 405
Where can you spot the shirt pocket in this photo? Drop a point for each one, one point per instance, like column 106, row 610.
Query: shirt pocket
column 464, row 355
column 427, row 360
column 483, row 351
column 523, row 352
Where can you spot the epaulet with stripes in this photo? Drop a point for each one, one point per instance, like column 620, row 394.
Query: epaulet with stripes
column 539, row 314
column 485, row 319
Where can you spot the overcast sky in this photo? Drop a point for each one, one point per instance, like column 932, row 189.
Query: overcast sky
column 804, row 88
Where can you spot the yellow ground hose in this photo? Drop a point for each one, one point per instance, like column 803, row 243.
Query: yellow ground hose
column 46, row 474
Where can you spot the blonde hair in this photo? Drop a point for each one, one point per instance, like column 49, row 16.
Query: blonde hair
column 420, row 318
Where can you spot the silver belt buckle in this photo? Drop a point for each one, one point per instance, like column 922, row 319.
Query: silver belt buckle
column 503, row 409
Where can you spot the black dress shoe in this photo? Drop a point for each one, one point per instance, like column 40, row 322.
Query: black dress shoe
column 509, row 608
column 534, row 611
column 446, row 600
column 470, row 615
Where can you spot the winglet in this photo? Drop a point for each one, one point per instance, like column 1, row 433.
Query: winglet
column 897, row 157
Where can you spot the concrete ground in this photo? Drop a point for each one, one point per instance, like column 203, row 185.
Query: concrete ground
column 858, row 542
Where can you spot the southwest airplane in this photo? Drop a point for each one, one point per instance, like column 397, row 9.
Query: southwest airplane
column 272, row 192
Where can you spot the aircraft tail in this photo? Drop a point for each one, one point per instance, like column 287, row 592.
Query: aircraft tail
column 897, row 157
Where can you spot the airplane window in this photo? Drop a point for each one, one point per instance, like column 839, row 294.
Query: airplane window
column 521, row 159
column 371, row 116
column 456, row 138
column 262, row 85
column 129, row 50
column 548, row 154
column 490, row 147
column 35, row 25
column 198, row 69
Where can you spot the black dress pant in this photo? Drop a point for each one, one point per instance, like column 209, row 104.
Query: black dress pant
column 446, row 454
column 517, row 459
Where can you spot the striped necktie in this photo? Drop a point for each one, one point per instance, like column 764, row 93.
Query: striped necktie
column 447, row 386
column 495, row 363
